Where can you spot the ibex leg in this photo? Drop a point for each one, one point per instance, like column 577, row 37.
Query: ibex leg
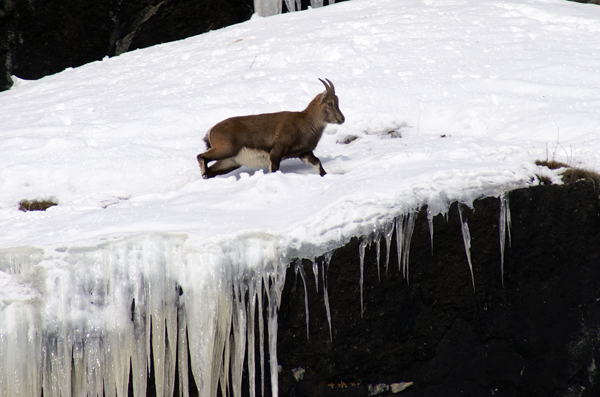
column 275, row 155
column 221, row 167
column 310, row 158
column 210, row 155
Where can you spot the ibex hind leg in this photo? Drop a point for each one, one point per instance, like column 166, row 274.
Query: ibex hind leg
column 210, row 155
column 310, row 158
column 221, row 167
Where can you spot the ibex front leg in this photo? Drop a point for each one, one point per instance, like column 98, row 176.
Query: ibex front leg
column 310, row 158
column 275, row 156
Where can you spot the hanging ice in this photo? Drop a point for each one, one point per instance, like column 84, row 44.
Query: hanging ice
column 504, row 228
column 405, row 225
column 300, row 269
column 85, row 318
column 467, row 240
column 389, row 231
column 80, row 318
column 324, row 271
column 430, row 222
column 316, row 273
column 361, row 251
column 293, row 5
column 266, row 8
column 378, row 254
column 319, row 3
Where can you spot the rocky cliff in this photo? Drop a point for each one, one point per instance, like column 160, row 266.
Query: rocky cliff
column 538, row 335
column 41, row 38
column 533, row 332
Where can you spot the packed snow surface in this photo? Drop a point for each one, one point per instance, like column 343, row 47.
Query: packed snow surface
column 444, row 101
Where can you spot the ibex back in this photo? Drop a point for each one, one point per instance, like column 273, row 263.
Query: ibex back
column 263, row 140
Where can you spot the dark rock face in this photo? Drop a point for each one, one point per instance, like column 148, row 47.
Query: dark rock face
column 41, row 38
column 539, row 335
column 38, row 38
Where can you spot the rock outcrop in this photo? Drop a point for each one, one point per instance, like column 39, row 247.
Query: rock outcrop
column 538, row 335
column 42, row 38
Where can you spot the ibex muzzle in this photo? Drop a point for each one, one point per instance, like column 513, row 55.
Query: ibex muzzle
column 263, row 140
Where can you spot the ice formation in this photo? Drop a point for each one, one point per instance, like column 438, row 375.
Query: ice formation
column 266, row 8
column 324, row 270
column 300, row 269
column 90, row 315
column 504, row 228
column 467, row 241
column 405, row 224
column 361, row 253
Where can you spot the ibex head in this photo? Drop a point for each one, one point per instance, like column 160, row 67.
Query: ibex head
column 329, row 104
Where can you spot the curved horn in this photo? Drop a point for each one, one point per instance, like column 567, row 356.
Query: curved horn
column 329, row 88
column 331, row 85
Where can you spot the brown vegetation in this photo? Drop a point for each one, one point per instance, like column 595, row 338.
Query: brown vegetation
column 569, row 175
column 35, row 205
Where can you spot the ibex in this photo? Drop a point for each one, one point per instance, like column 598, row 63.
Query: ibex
column 263, row 140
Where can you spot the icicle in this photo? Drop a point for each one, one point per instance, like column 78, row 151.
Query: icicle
column 261, row 337
column 361, row 252
column 430, row 222
column 224, row 372
column 504, row 227
column 324, row 270
column 272, row 324
column 20, row 350
column 252, row 299
column 467, row 240
column 300, row 269
column 238, row 339
column 275, row 290
column 266, row 8
column 315, row 268
column 400, row 241
column 182, row 353
column 405, row 225
column 388, row 244
column 378, row 253
column 291, row 5
column 410, row 227
column 316, row 3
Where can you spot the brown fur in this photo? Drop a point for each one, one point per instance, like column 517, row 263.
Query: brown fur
column 249, row 140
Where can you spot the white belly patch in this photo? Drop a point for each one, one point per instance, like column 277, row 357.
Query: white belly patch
column 253, row 158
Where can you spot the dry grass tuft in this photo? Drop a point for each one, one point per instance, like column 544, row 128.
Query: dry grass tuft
column 35, row 205
column 553, row 165
column 569, row 175
column 572, row 175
